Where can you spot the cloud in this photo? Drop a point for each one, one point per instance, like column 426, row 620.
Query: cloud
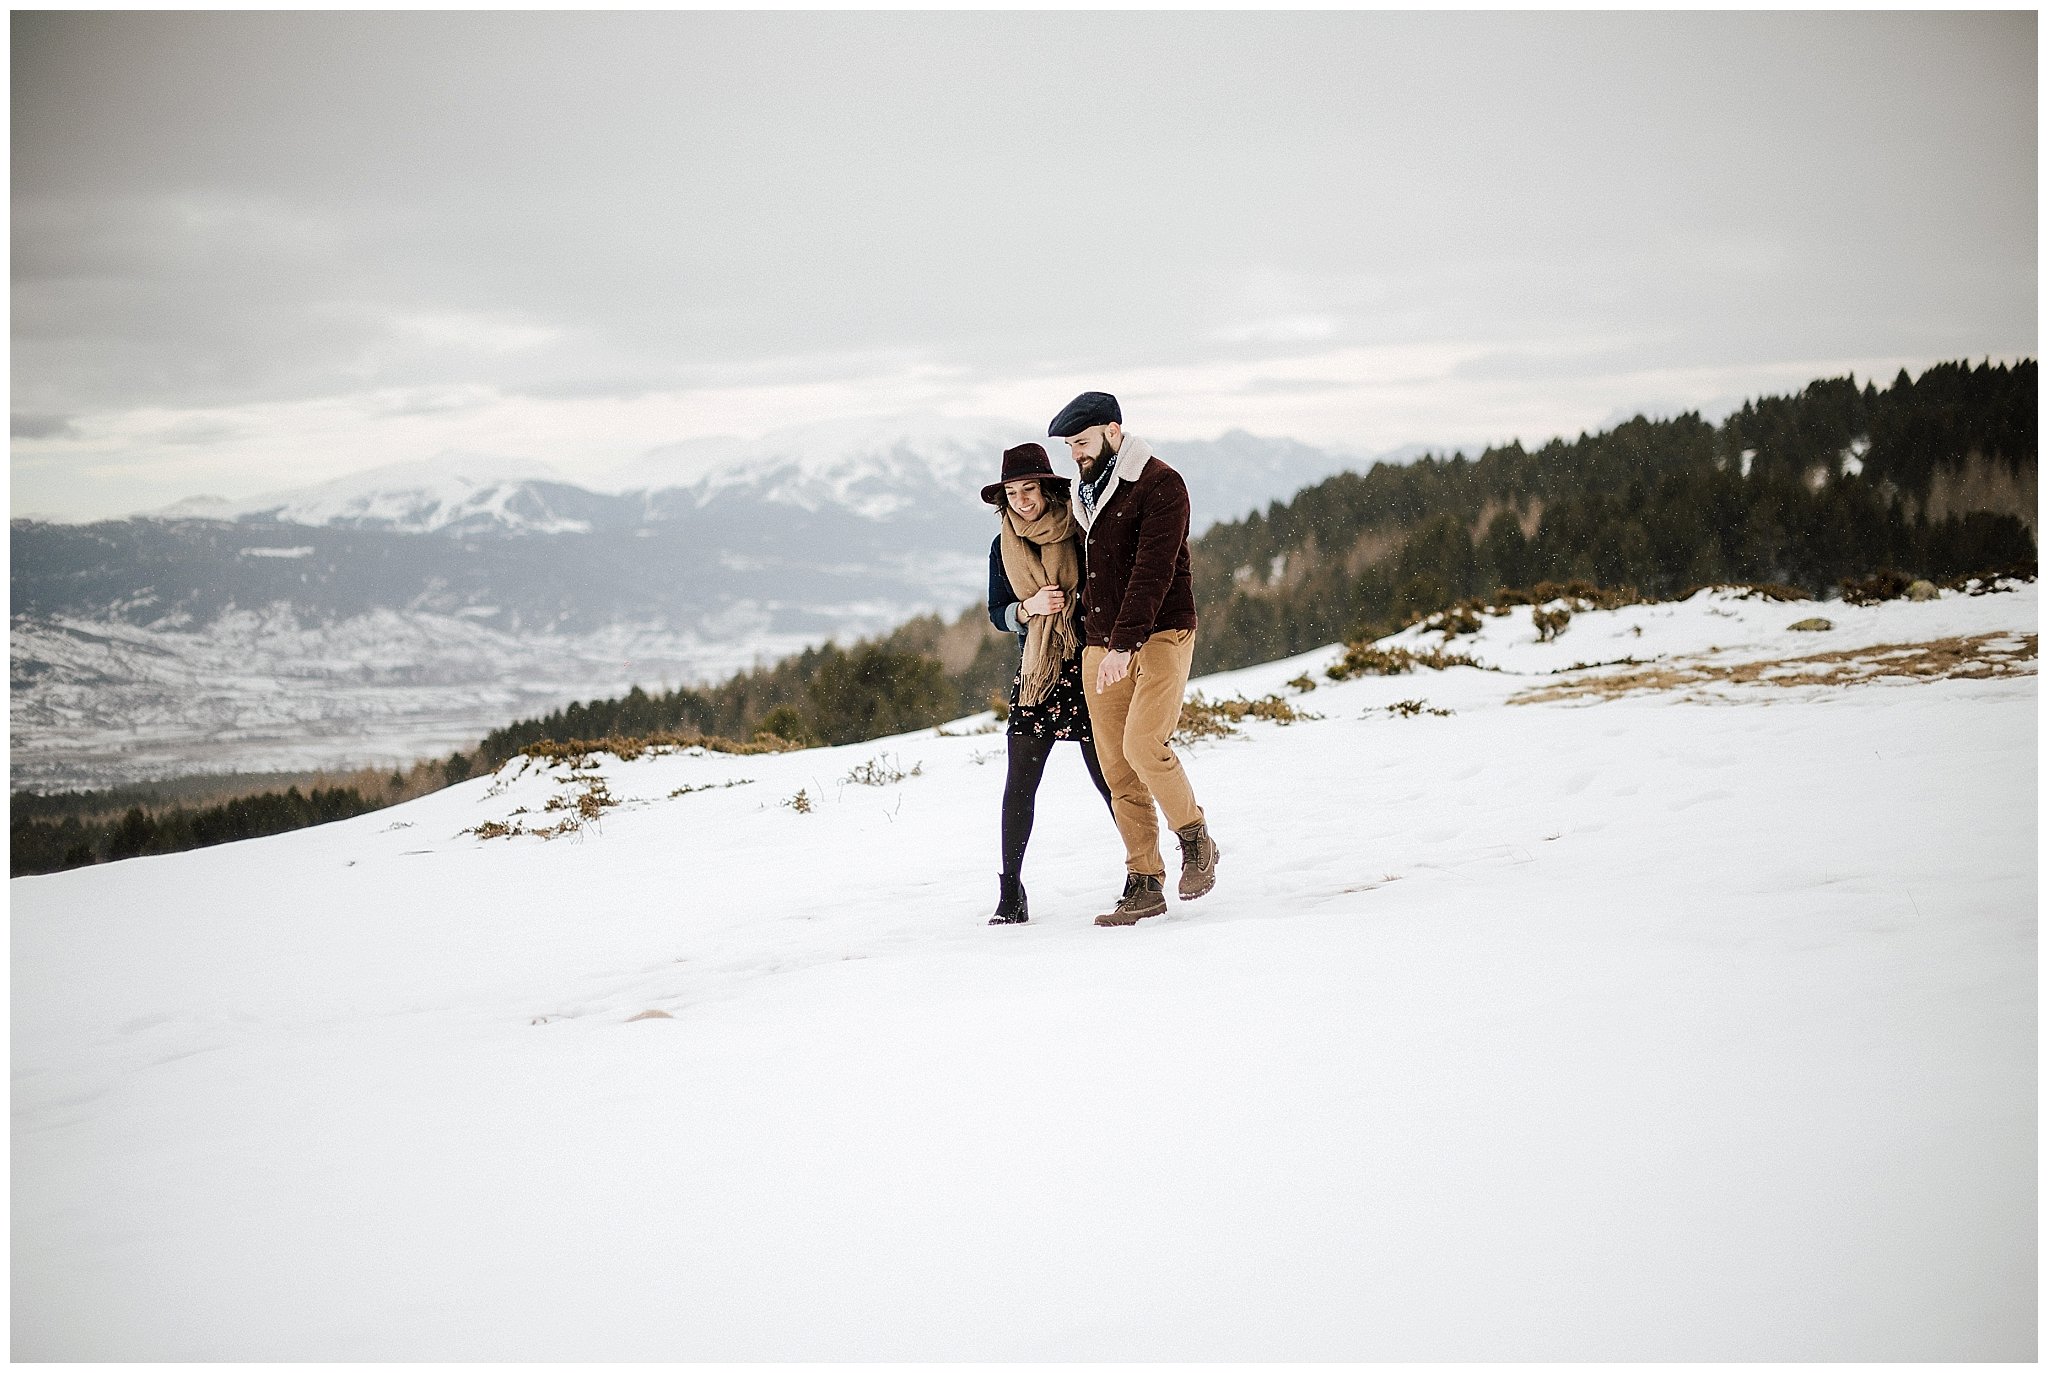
column 1569, row 359
column 427, row 401
column 1282, row 329
column 22, row 426
column 474, row 332
column 365, row 235
column 200, row 431
column 1359, row 400
column 1290, row 386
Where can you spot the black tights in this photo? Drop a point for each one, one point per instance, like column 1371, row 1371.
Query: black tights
column 1020, row 793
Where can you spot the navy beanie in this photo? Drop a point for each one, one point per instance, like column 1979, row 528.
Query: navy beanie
column 1085, row 411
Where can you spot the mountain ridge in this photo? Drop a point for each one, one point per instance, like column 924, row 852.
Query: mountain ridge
column 115, row 621
column 874, row 468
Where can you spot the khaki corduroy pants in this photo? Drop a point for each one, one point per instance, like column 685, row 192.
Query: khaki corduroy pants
column 1131, row 723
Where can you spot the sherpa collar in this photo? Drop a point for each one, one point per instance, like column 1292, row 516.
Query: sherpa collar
column 1130, row 461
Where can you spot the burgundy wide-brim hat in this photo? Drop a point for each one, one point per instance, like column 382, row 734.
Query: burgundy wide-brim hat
column 1026, row 462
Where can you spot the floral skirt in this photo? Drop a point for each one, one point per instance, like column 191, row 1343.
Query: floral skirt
column 1063, row 714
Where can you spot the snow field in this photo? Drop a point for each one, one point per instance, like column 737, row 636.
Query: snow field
column 1645, row 1029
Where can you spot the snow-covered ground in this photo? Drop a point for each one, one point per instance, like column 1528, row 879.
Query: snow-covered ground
column 1694, row 1021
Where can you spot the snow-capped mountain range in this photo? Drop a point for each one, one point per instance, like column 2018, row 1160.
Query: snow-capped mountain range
column 703, row 556
column 876, row 469
column 457, row 493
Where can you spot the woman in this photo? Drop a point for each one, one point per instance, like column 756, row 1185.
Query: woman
column 1035, row 571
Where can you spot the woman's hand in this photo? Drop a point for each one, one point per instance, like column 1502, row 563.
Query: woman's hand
column 1047, row 600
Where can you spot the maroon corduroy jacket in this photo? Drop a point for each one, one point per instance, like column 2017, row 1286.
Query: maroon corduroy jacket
column 1138, row 572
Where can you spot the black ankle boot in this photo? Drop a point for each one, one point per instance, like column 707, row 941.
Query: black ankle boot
column 1011, row 907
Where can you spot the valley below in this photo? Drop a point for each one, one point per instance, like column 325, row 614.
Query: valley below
column 101, row 704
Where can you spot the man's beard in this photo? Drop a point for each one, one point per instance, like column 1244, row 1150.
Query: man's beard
column 1090, row 466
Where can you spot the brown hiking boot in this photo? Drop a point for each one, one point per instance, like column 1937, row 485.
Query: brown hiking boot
column 1198, row 858
column 1144, row 894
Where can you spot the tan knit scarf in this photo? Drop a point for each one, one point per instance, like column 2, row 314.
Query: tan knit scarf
column 1038, row 553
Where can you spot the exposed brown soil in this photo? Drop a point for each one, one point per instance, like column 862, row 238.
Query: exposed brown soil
column 1980, row 655
column 1977, row 483
column 1372, row 547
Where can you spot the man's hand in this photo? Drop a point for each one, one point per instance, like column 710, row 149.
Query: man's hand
column 1113, row 669
column 1047, row 600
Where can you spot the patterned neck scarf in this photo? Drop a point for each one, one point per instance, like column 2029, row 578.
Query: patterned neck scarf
column 1089, row 489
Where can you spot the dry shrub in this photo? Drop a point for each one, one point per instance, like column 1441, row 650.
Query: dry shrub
column 1887, row 585
column 1891, row 584
column 1576, row 594
column 495, row 829
column 585, row 798
column 1408, row 710
column 1630, row 661
column 1201, row 718
column 589, row 803
column 1366, row 659
column 879, row 771
column 1745, row 591
column 1985, row 583
column 687, row 788
column 1551, row 623
column 581, row 752
column 1763, row 591
column 1459, row 619
column 1463, row 617
column 576, row 809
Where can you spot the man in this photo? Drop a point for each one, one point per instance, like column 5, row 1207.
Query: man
column 1138, row 642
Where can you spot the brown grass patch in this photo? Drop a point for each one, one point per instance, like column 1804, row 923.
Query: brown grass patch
column 1978, row 656
column 578, row 752
column 1201, row 718
column 1408, row 710
column 1886, row 585
column 1367, row 659
column 1757, row 591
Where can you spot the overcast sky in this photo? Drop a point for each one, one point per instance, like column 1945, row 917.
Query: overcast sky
column 253, row 251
